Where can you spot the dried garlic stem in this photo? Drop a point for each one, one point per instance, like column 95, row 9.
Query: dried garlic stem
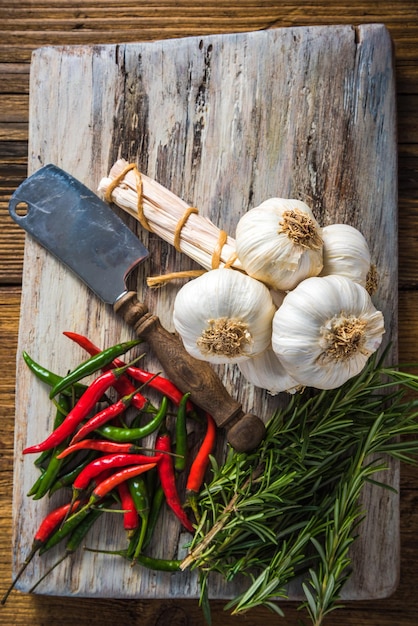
column 162, row 211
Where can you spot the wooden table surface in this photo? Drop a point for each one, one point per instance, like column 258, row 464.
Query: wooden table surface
column 29, row 25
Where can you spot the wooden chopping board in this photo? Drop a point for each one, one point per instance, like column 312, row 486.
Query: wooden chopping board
column 224, row 122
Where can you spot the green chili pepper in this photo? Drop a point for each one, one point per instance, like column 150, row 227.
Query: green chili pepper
column 139, row 492
column 92, row 365
column 156, row 505
column 32, row 491
column 49, row 378
column 68, row 478
column 123, row 435
column 181, row 435
column 162, row 565
column 48, row 477
column 47, row 458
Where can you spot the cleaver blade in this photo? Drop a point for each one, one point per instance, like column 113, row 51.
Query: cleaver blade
column 83, row 232
column 78, row 228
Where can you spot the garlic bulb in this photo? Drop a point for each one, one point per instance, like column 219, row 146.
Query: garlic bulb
column 325, row 331
column 265, row 370
column 345, row 252
column 279, row 243
column 224, row 316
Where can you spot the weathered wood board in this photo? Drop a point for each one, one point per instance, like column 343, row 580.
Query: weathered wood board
column 224, row 122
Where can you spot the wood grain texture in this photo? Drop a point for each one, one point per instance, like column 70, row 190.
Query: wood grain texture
column 20, row 34
column 196, row 116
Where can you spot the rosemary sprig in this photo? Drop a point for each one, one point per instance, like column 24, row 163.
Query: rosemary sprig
column 287, row 513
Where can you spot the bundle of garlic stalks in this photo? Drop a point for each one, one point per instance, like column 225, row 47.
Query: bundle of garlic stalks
column 162, row 212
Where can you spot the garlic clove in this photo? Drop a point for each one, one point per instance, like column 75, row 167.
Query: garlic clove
column 224, row 316
column 279, row 243
column 277, row 297
column 266, row 371
column 325, row 331
column 345, row 253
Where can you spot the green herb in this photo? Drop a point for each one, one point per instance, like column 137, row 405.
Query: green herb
column 287, row 513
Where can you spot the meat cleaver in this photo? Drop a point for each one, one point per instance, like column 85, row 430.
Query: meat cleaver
column 83, row 232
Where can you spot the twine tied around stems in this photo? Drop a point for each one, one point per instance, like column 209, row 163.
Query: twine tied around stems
column 158, row 281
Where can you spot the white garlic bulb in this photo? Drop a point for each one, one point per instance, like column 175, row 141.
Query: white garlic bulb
column 224, row 316
column 345, row 252
column 265, row 370
column 279, row 243
column 325, row 331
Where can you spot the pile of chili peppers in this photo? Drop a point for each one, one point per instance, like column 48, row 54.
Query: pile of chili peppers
column 96, row 455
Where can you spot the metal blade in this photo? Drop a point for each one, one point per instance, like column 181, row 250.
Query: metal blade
column 77, row 227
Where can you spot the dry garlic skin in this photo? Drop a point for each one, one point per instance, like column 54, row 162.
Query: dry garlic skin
column 325, row 331
column 224, row 316
column 279, row 243
column 345, row 252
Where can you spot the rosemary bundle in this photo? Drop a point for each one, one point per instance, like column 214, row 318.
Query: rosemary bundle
column 288, row 512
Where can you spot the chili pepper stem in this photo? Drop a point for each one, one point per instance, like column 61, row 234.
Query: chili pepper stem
column 42, row 578
column 36, row 545
column 73, row 543
column 74, row 498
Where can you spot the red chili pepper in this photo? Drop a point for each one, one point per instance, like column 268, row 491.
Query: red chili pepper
column 80, row 410
column 130, row 514
column 101, row 445
column 45, row 530
column 83, row 341
column 159, row 383
column 95, row 467
column 123, row 385
column 103, row 416
column 116, row 479
column 168, row 480
column 201, row 461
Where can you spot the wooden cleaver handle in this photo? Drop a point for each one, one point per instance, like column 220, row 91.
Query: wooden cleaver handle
column 244, row 430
